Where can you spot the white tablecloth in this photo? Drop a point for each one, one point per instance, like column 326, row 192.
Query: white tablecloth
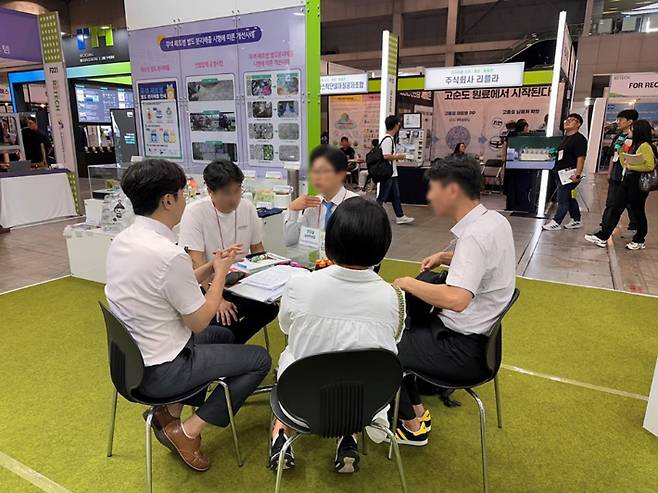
column 36, row 198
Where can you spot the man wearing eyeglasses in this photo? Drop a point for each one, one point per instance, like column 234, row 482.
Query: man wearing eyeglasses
column 570, row 161
column 216, row 222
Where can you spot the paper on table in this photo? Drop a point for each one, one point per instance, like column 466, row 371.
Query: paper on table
column 633, row 158
column 271, row 278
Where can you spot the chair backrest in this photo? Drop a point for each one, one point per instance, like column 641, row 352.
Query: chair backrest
column 338, row 394
column 495, row 344
column 494, row 163
column 126, row 362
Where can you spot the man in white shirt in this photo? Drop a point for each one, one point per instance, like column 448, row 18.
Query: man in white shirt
column 479, row 285
column 328, row 171
column 153, row 289
column 390, row 189
column 212, row 224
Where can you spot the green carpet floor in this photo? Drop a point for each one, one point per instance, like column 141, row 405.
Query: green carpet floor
column 557, row 437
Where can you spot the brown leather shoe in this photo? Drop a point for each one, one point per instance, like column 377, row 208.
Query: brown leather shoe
column 161, row 418
column 189, row 449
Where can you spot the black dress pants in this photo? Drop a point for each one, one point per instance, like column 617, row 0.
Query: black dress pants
column 252, row 316
column 438, row 352
column 207, row 356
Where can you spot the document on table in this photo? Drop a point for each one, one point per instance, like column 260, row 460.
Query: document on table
column 565, row 175
column 266, row 286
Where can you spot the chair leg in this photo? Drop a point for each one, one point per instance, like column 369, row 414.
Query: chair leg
column 394, row 423
column 396, row 450
column 279, row 470
column 364, row 440
column 231, row 419
column 499, row 407
column 267, row 340
column 149, row 451
column 483, row 440
column 113, row 418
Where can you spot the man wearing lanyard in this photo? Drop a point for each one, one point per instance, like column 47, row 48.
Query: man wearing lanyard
column 214, row 223
column 571, row 159
column 450, row 341
column 328, row 171
column 153, row 289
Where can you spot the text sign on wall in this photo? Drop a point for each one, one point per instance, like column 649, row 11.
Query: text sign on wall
column 473, row 76
column 634, row 84
column 344, row 84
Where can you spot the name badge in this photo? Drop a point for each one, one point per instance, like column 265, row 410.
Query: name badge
column 615, row 158
column 310, row 237
column 560, row 154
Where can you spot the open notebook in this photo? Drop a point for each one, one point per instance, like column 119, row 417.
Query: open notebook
column 268, row 285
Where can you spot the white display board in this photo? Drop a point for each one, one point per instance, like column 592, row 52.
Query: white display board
column 474, row 76
column 344, row 84
column 634, row 84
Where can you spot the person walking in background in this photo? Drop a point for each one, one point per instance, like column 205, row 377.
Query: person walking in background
column 570, row 156
column 391, row 188
column 621, row 143
column 629, row 192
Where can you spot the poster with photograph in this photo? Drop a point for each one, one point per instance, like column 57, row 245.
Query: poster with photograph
column 212, row 117
column 158, row 103
column 272, row 104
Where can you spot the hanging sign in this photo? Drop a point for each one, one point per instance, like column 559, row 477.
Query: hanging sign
column 344, row 84
column 473, row 76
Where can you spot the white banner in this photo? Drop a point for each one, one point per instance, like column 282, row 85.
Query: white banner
column 477, row 117
column 344, row 84
column 634, row 84
column 472, row 76
column 57, row 89
column 389, row 85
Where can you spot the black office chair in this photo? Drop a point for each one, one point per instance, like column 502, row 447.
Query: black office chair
column 494, row 356
column 127, row 372
column 337, row 394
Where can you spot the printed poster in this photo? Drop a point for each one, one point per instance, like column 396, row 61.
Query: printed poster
column 212, row 117
column 273, row 117
column 355, row 117
column 477, row 117
column 158, row 103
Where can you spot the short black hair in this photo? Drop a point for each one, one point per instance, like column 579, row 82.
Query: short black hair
column 465, row 172
column 335, row 156
column 374, row 142
column 147, row 181
column 632, row 115
column 521, row 125
column 32, row 118
column 391, row 121
column 576, row 116
column 343, row 138
column 221, row 173
column 358, row 233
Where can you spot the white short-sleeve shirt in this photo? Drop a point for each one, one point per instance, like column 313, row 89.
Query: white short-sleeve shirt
column 388, row 147
column 150, row 285
column 205, row 229
column 483, row 263
column 313, row 218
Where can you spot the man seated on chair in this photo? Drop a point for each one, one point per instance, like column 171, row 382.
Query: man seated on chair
column 213, row 223
column 449, row 342
column 328, row 172
column 346, row 306
column 153, row 289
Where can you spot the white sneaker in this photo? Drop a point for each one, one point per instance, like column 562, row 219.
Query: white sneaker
column 628, row 234
column 635, row 246
column 404, row 220
column 596, row 240
column 551, row 226
column 375, row 434
column 573, row 225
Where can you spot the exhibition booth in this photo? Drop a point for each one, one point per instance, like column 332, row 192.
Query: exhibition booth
column 27, row 195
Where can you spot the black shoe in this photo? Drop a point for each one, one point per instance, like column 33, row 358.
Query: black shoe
column 288, row 458
column 347, row 455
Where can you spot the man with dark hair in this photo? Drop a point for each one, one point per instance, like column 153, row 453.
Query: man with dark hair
column 449, row 340
column 33, row 139
column 347, row 149
column 390, row 189
column 570, row 158
column 620, row 143
column 152, row 287
column 216, row 222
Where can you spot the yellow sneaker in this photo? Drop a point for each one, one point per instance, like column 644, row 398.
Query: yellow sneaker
column 427, row 419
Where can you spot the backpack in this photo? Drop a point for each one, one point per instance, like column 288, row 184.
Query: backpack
column 379, row 168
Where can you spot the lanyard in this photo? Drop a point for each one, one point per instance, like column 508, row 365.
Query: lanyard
column 320, row 207
column 219, row 227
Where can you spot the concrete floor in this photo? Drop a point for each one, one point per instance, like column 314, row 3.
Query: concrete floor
column 38, row 253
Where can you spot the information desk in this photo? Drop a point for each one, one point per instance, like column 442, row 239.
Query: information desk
column 413, row 185
column 35, row 196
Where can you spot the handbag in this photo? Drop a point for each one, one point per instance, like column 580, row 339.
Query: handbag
column 649, row 179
